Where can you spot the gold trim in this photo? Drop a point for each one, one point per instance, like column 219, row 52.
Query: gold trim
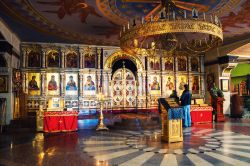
column 120, row 54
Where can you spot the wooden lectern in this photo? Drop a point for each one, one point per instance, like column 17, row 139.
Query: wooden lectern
column 171, row 119
column 217, row 104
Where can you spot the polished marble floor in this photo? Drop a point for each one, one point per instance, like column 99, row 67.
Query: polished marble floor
column 204, row 145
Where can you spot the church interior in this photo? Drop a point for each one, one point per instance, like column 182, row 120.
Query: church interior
column 125, row 82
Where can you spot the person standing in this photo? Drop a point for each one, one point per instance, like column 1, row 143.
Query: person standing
column 186, row 102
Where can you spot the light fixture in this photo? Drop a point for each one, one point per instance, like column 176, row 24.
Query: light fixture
column 171, row 29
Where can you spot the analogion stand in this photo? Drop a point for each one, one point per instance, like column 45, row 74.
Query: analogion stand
column 171, row 119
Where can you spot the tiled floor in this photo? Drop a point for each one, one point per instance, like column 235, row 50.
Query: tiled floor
column 205, row 144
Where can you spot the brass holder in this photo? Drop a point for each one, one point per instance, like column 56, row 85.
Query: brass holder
column 101, row 125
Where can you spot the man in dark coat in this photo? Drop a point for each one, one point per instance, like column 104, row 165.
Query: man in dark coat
column 185, row 103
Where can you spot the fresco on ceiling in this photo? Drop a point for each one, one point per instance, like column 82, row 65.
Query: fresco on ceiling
column 98, row 21
column 70, row 7
column 237, row 21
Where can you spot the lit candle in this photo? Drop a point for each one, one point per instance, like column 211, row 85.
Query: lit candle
column 142, row 20
column 151, row 18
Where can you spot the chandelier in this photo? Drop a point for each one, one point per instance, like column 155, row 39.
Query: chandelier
column 171, row 29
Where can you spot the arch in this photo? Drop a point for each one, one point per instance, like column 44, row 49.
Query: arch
column 128, row 64
column 3, row 62
column 121, row 55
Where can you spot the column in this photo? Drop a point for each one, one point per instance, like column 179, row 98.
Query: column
column 81, row 83
column 109, row 83
column 43, row 84
column 140, row 88
column 105, row 83
column 97, row 82
column 62, row 83
column 99, row 51
column 43, row 58
column 63, row 58
column 25, row 89
column 144, row 84
column 24, row 53
column 81, row 50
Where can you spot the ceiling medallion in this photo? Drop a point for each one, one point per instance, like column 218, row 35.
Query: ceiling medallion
column 171, row 29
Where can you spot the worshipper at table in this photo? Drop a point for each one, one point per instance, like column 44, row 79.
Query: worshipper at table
column 186, row 102
column 174, row 96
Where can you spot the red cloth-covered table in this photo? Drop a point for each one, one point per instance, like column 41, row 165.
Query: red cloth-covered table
column 60, row 121
column 201, row 114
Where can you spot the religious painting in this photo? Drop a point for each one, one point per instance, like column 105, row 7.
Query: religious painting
column 17, row 80
column 3, row 83
column 34, row 83
column 55, row 102
column 53, row 59
column 154, row 63
column 53, row 84
column 89, row 86
column 71, row 60
column 170, row 86
column 194, row 64
column 71, row 84
column 181, row 81
column 155, row 85
column 169, row 65
column 182, row 64
column 210, row 81
column 225, row 85
column 195, row 84
column 34, row 59
column 89, row 61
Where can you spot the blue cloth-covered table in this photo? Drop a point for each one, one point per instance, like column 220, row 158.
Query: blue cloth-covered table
column 175, row 113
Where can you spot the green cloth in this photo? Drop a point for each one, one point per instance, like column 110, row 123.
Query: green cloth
column 239, row 73
column 241, row 69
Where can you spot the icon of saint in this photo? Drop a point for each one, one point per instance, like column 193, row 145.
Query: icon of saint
column 89, row 85
column 182, row 83
column 71, row 84
column 52, row 83
column 170, row 84
column 155, row 84
column 33, row 84
column 195, row 86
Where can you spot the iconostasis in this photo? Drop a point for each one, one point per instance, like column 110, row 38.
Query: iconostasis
column 70, row 77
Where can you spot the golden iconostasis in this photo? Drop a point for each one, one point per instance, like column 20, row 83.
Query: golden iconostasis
column 60, row 77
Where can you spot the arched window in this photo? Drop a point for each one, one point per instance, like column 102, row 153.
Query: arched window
column 3, row 62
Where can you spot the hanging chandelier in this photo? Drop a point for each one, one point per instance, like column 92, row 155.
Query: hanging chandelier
column 171, row 29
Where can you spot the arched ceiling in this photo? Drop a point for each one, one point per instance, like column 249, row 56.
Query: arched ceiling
column 98, row 21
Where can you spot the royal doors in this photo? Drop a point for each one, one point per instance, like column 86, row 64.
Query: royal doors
column 124, row 89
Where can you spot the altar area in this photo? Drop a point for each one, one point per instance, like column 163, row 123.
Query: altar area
column 69, row 77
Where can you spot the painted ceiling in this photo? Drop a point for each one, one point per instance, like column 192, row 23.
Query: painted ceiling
column 99, row 21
